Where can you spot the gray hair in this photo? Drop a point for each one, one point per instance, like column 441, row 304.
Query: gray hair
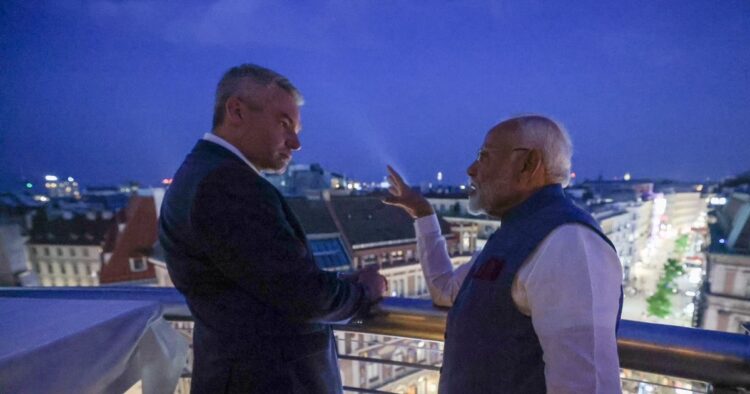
column 235, row 82
column 553, row 140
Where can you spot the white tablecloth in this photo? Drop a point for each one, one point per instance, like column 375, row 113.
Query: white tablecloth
column 87, row 346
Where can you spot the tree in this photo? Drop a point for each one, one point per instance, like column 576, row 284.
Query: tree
column 659, row 304
column 681, row 244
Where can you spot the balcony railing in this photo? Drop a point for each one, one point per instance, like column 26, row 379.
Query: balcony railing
column 720, row 359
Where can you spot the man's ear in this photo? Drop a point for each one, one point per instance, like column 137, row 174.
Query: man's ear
column 533, row 162
column 233, row 110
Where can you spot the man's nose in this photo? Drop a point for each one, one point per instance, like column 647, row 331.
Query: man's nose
column 472, row 170
column 293, row 142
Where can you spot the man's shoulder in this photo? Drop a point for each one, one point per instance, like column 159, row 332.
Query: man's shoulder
column 573, row 230
column 567, row 212
column 231, row 178
column 578, row 238
column 229, row 170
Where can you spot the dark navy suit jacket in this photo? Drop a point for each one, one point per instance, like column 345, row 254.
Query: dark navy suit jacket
column 261, row 304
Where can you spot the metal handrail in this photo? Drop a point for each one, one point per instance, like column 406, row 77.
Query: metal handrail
column 719, row 358
column 389, row 362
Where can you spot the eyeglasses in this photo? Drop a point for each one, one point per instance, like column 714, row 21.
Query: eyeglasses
column 482, row 153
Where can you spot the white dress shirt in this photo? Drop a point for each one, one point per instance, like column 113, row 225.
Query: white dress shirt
column 570, row 286
column 211, row 137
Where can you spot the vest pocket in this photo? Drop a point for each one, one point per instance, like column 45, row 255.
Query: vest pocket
column 490, row 269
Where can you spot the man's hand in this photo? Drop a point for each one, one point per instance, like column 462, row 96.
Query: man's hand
column 353, row 276
column 405, row 197
column 375, row 284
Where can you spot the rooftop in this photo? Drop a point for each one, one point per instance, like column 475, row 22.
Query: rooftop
column 69, row 229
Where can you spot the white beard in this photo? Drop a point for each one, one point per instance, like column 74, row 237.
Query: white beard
column 475, row 204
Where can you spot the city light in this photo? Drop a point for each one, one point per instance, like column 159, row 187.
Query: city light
column 695, row 276
column 70, row 179
column 627, row 176
column 29, row 185
column 659, row 207
column 440, row 176
column 168, row 181
column 50, row 178
column 718, row 201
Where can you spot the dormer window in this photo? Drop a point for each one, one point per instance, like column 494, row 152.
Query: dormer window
column 138, row 264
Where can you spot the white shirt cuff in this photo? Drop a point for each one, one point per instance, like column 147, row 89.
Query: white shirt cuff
column 426, row 225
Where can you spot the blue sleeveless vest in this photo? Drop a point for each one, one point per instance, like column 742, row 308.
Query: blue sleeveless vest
column 490, row 346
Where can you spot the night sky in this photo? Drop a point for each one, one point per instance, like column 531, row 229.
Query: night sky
column 110, row 91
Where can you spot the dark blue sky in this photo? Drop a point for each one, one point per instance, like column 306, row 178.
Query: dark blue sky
column 108, row 91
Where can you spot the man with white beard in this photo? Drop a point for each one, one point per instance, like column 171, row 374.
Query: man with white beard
column 537, row 309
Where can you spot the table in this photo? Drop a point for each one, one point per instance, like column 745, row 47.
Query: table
column 87, row 346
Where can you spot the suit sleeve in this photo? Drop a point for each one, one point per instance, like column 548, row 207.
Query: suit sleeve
column 241, row 222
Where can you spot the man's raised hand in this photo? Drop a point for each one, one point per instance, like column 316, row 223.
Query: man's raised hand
column 405, row 197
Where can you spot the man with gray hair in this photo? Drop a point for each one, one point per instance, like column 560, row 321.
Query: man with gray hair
column 538, row 308
column 234, row 248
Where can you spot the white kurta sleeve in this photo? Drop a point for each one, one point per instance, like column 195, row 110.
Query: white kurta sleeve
column 442, row 280
column 570, row 286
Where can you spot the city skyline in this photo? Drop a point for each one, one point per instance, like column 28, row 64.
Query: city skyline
column 113, row 91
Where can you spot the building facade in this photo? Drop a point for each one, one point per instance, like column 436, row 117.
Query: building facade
column 65, row 250
column 725, row 300
column 683, row 209
column 130, row 241
column 619, row 225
